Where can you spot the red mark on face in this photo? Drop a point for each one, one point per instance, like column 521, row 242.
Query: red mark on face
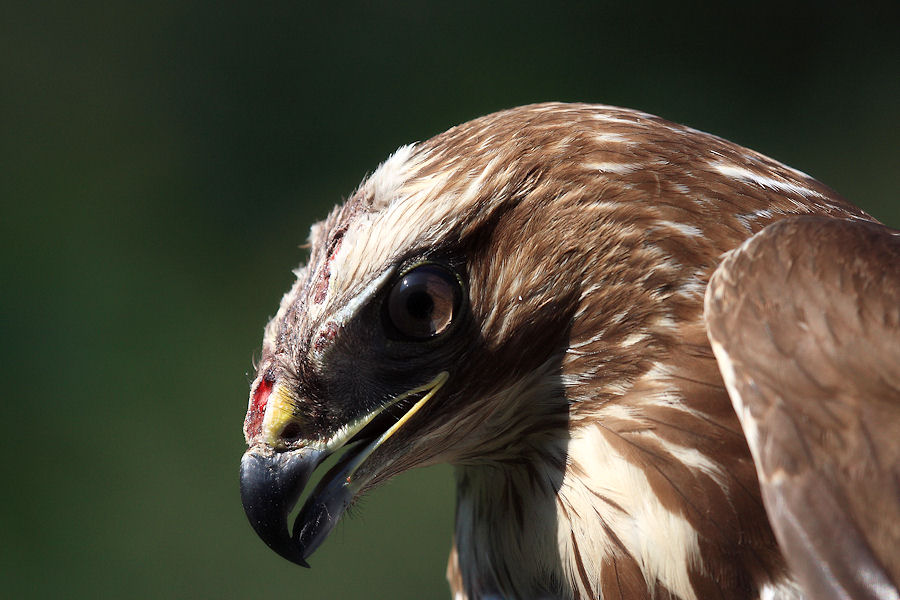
column 261, row 395
column 322, row 284
column 328, row 333
column 257, row 409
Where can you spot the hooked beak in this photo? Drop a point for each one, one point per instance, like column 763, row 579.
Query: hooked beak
column 272, row 481
column 270, row 486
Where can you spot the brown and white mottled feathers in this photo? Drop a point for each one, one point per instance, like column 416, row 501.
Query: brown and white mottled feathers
column 605, row 225
column 804, row 319
column 597, row 452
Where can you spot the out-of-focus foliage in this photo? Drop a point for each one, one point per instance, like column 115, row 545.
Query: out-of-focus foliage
column 161, row 162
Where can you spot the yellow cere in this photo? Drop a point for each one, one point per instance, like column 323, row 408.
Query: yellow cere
column 279, row 412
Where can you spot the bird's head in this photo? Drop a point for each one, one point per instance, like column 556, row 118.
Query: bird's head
column 470, row 296
column 425, row 307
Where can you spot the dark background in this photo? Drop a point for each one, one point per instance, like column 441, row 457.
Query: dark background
column 161, row 163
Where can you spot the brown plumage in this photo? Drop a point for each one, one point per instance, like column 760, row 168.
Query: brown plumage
column 523, row 297
column 816, row 387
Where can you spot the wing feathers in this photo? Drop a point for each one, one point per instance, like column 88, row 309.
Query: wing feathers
column 804, row 319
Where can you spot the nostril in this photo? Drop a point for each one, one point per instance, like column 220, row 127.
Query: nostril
column 291, row 432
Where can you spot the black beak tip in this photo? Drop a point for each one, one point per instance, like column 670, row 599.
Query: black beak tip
column 271, row 483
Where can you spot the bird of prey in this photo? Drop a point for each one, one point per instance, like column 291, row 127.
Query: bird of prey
column 662, row 365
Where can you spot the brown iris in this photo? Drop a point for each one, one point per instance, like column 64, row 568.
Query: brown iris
column 423, row 302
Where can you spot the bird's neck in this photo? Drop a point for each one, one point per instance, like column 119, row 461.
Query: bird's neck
column 632, row 502
column 531, row 530
column 507, row 531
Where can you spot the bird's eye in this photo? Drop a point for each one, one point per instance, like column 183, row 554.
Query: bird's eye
column 423, row 303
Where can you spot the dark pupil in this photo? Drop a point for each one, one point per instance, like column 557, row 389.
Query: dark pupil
column 420, row 305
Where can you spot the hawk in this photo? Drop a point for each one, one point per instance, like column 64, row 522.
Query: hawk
column 662, row 365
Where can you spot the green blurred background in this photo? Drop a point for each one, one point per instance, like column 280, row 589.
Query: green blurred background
column 161, row 163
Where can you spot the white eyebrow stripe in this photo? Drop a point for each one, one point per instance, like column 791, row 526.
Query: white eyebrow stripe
column 349, row 310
